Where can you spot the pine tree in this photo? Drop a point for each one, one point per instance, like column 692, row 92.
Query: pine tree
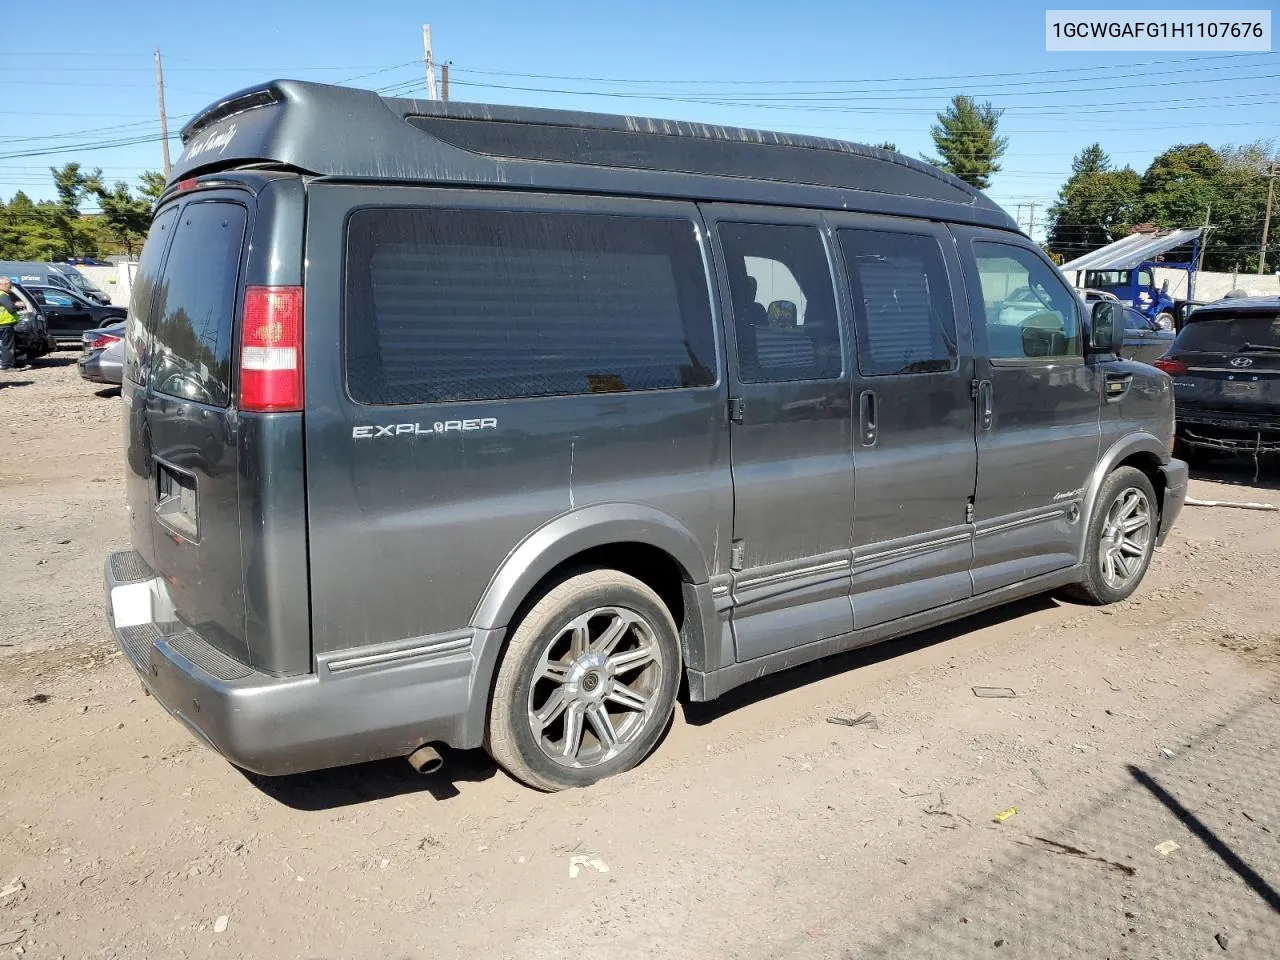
column 965, row 137
column 1094, row 207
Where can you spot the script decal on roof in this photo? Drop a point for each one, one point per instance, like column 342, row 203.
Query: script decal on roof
column 213, row 140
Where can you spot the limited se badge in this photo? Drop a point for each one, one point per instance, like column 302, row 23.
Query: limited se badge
column 439, row 428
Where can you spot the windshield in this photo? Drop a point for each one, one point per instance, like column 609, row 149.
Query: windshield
column 1230, row 332
column 76, row 278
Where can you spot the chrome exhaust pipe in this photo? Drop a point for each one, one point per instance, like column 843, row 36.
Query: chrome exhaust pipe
column 426, row 759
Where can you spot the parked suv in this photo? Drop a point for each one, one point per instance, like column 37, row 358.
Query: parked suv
column 1225, row 365
column 70, row 315
column 492, row 426
column 32, row 338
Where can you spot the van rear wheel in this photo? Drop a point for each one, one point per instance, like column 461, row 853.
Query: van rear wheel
column 1122, row 535
column 587, row 684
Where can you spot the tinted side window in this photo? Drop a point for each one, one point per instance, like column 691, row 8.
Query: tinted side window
column 784, row 310
column 446, row 305
column 195, row 304
column 902, row 303
column 1133, row 320
column 137, row 335
column 1028, row 310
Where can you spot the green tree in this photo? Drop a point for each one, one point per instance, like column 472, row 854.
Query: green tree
column 888, row 145
column 125, row 216
column 28, row 230
column 72, row 185
column 1095, row 206
column 1092, row 159
column 152, row 185
column 1098, row 204
column 1240, row 201
column 966, row 140
column 1179, row 186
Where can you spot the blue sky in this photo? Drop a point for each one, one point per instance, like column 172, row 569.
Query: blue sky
column 854, row 70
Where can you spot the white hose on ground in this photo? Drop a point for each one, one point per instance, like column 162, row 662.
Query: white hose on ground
column 1193, row 502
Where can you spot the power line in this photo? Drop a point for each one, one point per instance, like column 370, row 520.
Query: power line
column 818, row 100
column 777, row 81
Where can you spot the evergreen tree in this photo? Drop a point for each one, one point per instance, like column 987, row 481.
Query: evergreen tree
column 966, row 140
column 1094, row 207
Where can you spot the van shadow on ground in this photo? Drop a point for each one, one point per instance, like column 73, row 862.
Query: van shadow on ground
column 384, row 779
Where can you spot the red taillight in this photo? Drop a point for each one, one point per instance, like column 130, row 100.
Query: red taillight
column 188, row 184
column 101, row 342
column 1172, row 367
column 271, row 350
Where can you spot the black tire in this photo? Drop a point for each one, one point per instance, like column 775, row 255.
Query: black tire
column 1097, row 587
column 510, row 737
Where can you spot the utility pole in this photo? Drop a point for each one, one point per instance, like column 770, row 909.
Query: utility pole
column 430, row 61
column 1204, row 239
column 164, row 118
column 444, row 86
column 1018, row 218
column 1031, row 221
column 1266, row 222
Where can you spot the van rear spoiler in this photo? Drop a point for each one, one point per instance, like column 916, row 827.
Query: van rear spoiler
column 228, row 107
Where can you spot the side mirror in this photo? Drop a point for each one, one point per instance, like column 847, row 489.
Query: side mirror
column 1106, row 329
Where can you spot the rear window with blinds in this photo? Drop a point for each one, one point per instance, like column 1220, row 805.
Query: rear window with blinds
column 902, row 303
column 449, row 305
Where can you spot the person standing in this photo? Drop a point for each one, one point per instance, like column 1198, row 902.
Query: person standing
column 8, row 323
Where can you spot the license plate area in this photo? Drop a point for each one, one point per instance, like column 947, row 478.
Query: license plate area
column 1238, row 390
column 177, row 504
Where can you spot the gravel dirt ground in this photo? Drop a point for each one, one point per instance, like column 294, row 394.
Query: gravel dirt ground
column 1141, row 754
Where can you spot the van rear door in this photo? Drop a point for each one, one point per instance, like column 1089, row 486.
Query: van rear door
column 182, row 438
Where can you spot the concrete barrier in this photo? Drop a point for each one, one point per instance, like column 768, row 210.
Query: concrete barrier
column 1213, row 286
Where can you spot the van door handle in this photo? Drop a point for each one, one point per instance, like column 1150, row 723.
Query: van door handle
column 985, row 405
column 867, row 417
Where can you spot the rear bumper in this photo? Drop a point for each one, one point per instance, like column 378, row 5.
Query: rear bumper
column 346, row 712
column 1229, row 431
column 97, row 370
column 1175, row 496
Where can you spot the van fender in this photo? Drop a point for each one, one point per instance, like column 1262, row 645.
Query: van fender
column 546, row 548
column 1122, row 449
column 570, row 533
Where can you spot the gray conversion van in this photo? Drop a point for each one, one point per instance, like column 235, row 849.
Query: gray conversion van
column 485, row 426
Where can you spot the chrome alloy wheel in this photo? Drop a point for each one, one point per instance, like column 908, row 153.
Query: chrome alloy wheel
column 595, row 686
column 1126, row 538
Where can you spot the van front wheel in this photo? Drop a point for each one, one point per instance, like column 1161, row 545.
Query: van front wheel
column 1122, row 535
column 587, row 683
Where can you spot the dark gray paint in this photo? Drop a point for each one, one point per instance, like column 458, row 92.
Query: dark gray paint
column 272, row 479
column 355, row 134
column 1035, row 451
column 239, row 574
column 913, row 479
column 377, row 578
column 406, row 532
column 793, row 488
